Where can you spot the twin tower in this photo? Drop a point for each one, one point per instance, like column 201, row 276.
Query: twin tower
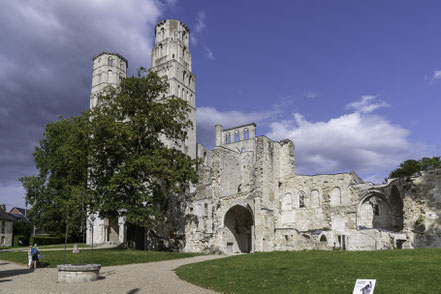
column 170, row 57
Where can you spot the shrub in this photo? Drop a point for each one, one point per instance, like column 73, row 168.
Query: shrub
column 22, row 238
column 46, row 240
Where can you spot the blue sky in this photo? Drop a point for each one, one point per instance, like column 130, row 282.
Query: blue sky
column 355, row 84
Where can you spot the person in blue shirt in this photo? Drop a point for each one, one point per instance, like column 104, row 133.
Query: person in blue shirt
column 35, row 252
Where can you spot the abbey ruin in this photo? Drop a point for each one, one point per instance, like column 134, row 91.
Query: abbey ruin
column 250, row 199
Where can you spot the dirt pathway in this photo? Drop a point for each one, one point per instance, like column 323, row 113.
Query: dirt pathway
column 154, row 277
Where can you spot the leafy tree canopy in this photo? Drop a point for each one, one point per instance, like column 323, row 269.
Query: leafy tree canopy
column 408, row 167
column 56, row 192
column 132, row 170
column 114, row 156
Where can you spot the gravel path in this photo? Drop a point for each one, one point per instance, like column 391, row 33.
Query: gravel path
column 154, row 277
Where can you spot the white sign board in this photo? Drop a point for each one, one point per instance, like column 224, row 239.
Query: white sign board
column 364, row 287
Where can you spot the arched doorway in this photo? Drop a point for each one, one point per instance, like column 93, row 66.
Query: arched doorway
column 238, row 223
column 396, row 204
column 374, row 212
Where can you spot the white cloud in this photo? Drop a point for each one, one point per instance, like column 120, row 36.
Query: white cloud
column 208, row 117
column 200, row 21
column 193, row 40
column 436, row 75
column 199, row 26
column 365, row 105
column 360, row 141
column 311, row 94
column 209, row 54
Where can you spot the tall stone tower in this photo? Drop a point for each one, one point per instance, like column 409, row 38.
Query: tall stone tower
column 171, row 58
column 108, row 70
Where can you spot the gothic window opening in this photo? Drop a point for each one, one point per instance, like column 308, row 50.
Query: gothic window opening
column 246, row 134
column 236, row 136
column 323, row 239
column 227, row 138
column 110, row 61
column 301, row 199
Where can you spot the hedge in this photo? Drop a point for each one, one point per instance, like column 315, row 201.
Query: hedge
column 46, row 240
column 22, row 238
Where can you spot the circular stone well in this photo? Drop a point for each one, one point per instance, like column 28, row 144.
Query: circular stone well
column 78, row 273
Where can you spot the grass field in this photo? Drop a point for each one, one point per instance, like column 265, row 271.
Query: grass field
column 399, row 271
column 105, row 257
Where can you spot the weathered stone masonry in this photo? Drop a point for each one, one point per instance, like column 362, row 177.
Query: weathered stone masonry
column 249, row 198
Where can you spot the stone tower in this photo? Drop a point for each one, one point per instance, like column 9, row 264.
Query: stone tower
column 171, row 58
column 108, row 70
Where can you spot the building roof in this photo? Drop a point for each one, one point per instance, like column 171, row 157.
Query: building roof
column 19, row 217
column 22, row 211
column 5, row 216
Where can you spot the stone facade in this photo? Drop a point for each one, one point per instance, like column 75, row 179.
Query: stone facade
column 249, row 198
column 6, row 225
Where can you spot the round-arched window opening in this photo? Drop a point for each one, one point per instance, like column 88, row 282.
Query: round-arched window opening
column 323, row 239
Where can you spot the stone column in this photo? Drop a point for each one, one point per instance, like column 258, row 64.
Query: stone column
column 218, row 134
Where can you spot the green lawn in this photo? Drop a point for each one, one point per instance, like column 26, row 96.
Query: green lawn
column 399, row 271
column 105, row 257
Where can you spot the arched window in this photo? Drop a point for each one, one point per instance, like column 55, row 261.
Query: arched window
column 110, row 61
column 287, row 202
column 315, row 198
column 301, row 199
column 227, row 138
column 335, row 197
column 205, row 157
column 323, row 239
column 243, row 149
column 236, row 136
column 246, row 134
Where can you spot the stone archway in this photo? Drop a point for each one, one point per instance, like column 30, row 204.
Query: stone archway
column 374, row 212
column 238, row 223
column 396, row 204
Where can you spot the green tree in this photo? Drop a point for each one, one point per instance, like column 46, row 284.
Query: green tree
column 411, row 166
column 56, row 192
column 133, row 173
